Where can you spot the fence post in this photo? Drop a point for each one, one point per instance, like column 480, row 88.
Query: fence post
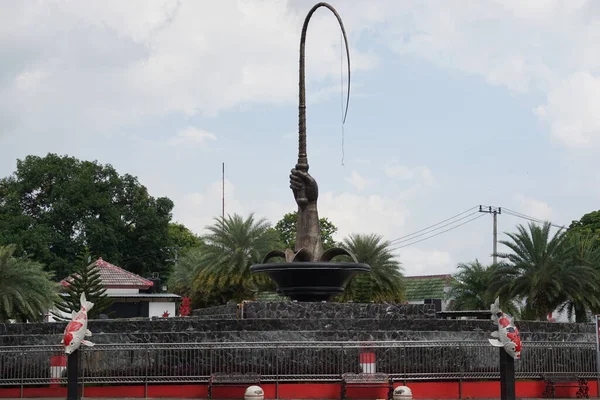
column 343, row 360
column 146, row 374
column 276, row 371
column 82, row 369
column 210, row 352
column 461, row 354
column 404, row 364
column 597, row 336
column 22, row 372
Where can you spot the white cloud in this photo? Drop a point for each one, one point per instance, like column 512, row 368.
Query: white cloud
column 416, row 179
column 99, row 65
column 417, row 261
column 542, row 47
column 572, row 109
column 421, row 173
column 358, row 181
column 533, row 208
column 191, row 136
column 198, row 210
column 363, row 214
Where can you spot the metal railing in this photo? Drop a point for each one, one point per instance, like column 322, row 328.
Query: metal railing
column 152, row 363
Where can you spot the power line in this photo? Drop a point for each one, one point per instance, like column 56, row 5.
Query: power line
column 398, row 241
column 439, row 233
column 532, row 219
column 402, row 238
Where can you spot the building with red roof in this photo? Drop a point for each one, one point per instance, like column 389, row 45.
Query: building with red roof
column 132, row 295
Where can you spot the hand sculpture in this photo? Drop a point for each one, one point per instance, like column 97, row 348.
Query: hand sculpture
column 304, row 186
column 309, row 246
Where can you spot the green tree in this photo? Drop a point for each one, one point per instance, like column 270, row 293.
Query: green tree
column 286, row 228
column 54, row 206
column 385, row 282
column 471, row 289
column 182, row 238
column 583, row 251
column 540, row 270
column 26, row 290
column 588, row 224
column 230, row 248
column 86, row 279
column 185, row 272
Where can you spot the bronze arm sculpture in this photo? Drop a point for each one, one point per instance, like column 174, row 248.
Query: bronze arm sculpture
column 308, row 273
column 309, row 245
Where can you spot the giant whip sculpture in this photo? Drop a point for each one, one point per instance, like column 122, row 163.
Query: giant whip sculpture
column 308, row 273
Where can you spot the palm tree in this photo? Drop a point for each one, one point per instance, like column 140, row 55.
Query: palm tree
column 230, row 248
column 539, row 270
column 583, row 251
column 185, row 272
column 26, row 290
column 385, row 282
column 471, row 289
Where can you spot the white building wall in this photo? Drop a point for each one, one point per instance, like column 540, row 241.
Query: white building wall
column 157, row 308
column 110, row 291
column 51, row 318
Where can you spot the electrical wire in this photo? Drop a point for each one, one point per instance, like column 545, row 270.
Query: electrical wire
column 397, row 241
column 437, row 234
column 527, row 217
column 401, row 238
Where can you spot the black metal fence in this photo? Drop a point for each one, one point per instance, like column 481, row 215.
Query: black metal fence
column 150, row 363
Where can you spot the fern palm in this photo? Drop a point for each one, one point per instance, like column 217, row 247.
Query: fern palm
column 471, row 289
column 26, row 290
column 385, row 282
column 230, row 248
column 540, row 270
column 584, row 252
column 185, row 272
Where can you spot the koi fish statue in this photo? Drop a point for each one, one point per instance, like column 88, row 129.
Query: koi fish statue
column 77, row 329
column 507, row 335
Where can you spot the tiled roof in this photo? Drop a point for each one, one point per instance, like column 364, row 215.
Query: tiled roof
column 426, row 287
column 116, row 277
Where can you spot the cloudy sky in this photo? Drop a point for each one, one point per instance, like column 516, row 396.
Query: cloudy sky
column 454, row 104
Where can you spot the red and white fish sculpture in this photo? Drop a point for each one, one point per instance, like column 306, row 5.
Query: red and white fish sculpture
column 507, row 335
column 77, row 328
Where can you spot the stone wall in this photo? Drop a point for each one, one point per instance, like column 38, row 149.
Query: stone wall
column 296, row 310
column 286, row 336
column 190, row 329
column 288, row 321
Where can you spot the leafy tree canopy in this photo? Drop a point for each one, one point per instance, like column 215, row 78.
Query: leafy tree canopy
column 54, row 206
column 182, row 238
column 286, row 228
column 588, row 225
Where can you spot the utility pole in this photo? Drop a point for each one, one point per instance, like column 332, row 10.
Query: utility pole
column 494, row 211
